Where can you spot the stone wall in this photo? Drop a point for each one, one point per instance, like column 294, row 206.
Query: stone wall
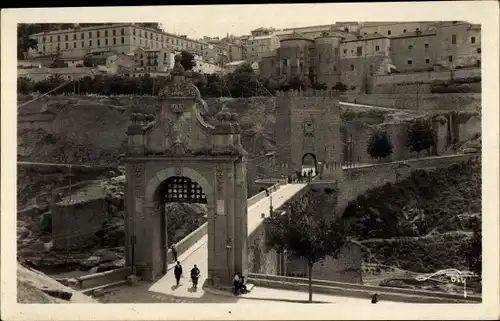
column 427, row 77
column 345, row 268
column 457, row 102
column 358, row 180
column 75, row 226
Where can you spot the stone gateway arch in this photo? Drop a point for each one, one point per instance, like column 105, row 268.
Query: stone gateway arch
column 175, row 155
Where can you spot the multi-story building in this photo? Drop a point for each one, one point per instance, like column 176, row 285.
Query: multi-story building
column 414, row 51
column 355, row 59
column 458, row 44
column 119, row 38
column 394, row 28
column 155, row 59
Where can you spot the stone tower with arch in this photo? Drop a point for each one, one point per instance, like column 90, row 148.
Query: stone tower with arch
column 175, row 155
column 307, row 124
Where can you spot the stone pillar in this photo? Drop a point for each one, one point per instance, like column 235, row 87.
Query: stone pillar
column 230, row 195
column 211, row 232
column 221, row 263
column 240, row 218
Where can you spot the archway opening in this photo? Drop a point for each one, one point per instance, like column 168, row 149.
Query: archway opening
column 309, row 164
column 182, row 205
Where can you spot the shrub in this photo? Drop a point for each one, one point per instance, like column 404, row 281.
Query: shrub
column 421, row 136
column 379, row 146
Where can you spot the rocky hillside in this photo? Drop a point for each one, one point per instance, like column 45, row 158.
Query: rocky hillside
column 419, row 224
column 104, row 247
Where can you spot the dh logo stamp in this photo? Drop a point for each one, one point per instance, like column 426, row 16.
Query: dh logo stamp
column 454, row 275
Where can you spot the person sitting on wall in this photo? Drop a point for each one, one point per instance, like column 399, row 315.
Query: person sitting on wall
column 236, row 283
column 243, row 286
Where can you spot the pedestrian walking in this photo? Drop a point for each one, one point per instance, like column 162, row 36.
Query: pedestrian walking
column 195, row 275
column 236, row 283
column 174, row 252
column 243, row 286
column 178, row 272
column 375, row 298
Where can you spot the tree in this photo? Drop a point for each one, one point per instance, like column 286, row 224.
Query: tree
column 472, row 251
column 187, row 60
column 379, row 146
column 421, row 136
column 242, row 81
column 305, row 232
column 24, row 42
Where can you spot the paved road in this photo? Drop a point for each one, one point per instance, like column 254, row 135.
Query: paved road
column 198, row 253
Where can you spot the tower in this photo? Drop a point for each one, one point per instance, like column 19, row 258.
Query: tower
column 307, row 124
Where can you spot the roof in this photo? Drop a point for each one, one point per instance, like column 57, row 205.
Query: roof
column 261, row 29
column 415, row 34
column 295, row 36
column 370, row 36
column 236, row 63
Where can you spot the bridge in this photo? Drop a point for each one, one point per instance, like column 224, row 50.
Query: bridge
column 175, row 155
column 198, row 252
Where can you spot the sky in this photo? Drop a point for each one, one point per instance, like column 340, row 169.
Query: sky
column 239, row 20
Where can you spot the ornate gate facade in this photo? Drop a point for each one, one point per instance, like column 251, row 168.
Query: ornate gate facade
column 174, row 155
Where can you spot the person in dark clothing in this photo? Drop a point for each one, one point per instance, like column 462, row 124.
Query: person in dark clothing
column 243, row 286
column 375, row 298
column 178, row 272
column 236, row 283
column 195, row 275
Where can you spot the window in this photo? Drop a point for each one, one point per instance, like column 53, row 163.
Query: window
column 67, row 46
column 82, row 35
column 123, row 40
column 409, row 62
column 83, row 44
column 346, row 29
column 427, row 60
column 98, row 34
column 150, row 35
column 65, row 37
column 478, row 50
column 334, row 68
column 371, row 67
column 418, row 29
column 404, row 30
column 410, row 47
column 377, row 48
column 90, row 43
column 122, row 31
column 105, row 33
column 453, row 39
column 352, row 67
column 450, row 58
column 114, row 41
column 44, row 39
column 473, row 40
column 478, row 62
column 50, row 38
column 58, row 38
column 74, row 36
column 365, row 33
column 106, row 41
column 43, row 48
column 90, row 34
column 426, row 45
column 98, row 42
column 133, row 32
column 388, row 32
column 359, row 51
column 114, row 32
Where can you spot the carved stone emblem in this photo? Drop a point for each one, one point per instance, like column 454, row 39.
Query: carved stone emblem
column 178, row 170
column 139, row 172
column 177, row 108
column 183, row 89
column 219, row 173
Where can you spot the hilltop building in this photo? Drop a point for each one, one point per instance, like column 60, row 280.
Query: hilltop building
column 337, row 55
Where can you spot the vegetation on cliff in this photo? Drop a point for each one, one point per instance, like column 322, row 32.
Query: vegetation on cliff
column 423, row 223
